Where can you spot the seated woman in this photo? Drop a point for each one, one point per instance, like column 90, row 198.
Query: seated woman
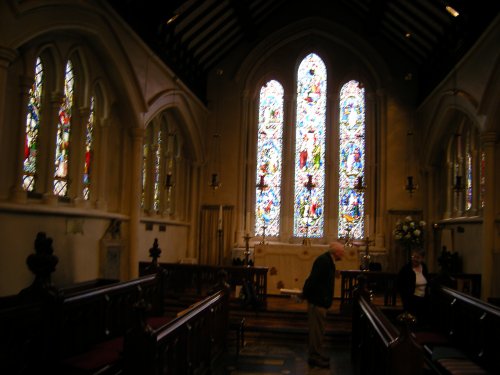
column 412, row 284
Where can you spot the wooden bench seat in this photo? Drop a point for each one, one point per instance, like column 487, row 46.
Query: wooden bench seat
column 190, row 343
column 379, row 347
column 82, row 331
column 462, row 337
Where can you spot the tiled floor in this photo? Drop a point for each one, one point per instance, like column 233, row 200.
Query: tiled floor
column 276, row 343
column 267, row 356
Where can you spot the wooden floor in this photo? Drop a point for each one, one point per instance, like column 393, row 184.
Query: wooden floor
column 276, row 341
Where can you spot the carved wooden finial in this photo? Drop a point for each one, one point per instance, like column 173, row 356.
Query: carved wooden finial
column 42, row 263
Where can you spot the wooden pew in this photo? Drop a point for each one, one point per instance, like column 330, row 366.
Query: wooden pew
column 185, row 281
column 66, row 334
column 93, row 323
column 189, row 344
column 378, row 347
column 463, row 333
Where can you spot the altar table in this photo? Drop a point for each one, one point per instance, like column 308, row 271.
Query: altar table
column 290, row 264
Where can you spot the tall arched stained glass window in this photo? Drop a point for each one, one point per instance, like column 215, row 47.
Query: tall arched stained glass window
column 63, row 135
column 89, row 150
column 269, row 158
column 351, row 160
column 157, row 168
column 309, row 189
column 32, row 128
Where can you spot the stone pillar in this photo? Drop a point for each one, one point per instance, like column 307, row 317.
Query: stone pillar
column 381, row 171
column 137, row 135
column 77, row 156
column 488, row 140
column 193, row 209
column 450, row 203
column 17, row 192
column 7, row 55
column 49, row 170
column 100, row 164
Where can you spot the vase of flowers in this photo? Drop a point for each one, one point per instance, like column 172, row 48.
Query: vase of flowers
column 409, row 233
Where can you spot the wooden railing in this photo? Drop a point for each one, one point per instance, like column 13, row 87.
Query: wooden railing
column 189, row 344
column 378, row 347
column 39, row 336
column 469, row 324
column 384, row 283
column 197, row 280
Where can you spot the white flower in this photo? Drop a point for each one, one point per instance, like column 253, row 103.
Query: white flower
column 416, row 233
column 422, row 223
column 408, row 218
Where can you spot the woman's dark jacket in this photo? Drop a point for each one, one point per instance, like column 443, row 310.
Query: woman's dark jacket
column 406, row 282
column 318, row 287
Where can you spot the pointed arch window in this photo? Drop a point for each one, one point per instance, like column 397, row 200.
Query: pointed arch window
column 31, row 144
column 308, row 219
column 351, row 160
column 160, row 168
column 61, row 163
column 269, row 158
column 467, row 172
column 157, row 170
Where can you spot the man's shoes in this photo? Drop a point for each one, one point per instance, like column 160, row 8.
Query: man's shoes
column 323, row 363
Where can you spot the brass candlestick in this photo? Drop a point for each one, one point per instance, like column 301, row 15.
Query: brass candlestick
column 365, row 258
column 264, row 227
column 247, row 249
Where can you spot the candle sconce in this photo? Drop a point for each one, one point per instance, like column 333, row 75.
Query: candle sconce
column 410, row 186
column 169, row 181
column 309, row 185
column 215, row 180
column 458, row 187
column 359, row 187
column 261, row 186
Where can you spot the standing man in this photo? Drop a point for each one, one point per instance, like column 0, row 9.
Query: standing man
column 318, row 291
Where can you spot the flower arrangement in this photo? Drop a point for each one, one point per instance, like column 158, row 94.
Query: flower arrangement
column 409, row 232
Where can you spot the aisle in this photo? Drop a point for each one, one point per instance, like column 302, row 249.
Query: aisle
column 267, row 356
column 276, row 341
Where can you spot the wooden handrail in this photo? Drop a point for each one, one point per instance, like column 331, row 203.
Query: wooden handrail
column 148, row 279
column 386, row 331
column 472, row 301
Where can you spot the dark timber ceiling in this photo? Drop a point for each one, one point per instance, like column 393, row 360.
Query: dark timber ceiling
column 203, row 32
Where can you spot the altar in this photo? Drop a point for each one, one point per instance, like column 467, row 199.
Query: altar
column 290, row 264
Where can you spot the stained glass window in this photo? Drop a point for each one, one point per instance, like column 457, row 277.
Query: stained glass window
column 63, row 135
column 32, row 128
column 351, row 160
column 145, row 153
column 89, row 150
column 308, row 220
column 482, row 178
column 157, row 168
column 269, row 158
column 468, row 187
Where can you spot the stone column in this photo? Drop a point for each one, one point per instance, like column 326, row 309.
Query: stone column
column 381, row 171
column 7, row 56
column 137, row 135
column 77, row 155
column 193, row 208
column 17, row 192
column 100, row 164
column 488, row 140
column 49, row 168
